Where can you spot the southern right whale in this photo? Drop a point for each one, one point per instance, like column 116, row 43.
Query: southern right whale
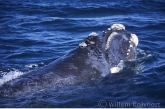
column 96, row 56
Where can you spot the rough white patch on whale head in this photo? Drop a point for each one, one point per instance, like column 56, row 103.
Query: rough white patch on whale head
column 92, row 42
column 130, row 45
column 93, row 34
column 109, row 29
column 82, row 44
column 118, row 68
column 109, row 39
column 127, row 54
column 118, row 26
column 134, row 39
column 115, row 69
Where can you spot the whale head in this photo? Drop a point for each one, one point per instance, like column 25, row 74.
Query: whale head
column 119, row 44
column 113, row 45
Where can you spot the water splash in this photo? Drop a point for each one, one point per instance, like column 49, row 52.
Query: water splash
column 9, row 75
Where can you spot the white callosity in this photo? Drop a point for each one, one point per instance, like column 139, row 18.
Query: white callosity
column 134, row 39
column 118, row 68
column 92, row 42
column 130, row 46
column 118, row 26
column 82, row 44
column 109, row 29
column 93, row 34
column 115, row 69
column 109, row 39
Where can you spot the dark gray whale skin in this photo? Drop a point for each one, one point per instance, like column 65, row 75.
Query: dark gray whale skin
column 92, row 59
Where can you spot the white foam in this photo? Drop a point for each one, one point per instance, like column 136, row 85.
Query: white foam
column 9, row 76
column 31, row 65
column 143, row 55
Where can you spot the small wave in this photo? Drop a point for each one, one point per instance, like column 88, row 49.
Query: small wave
column 34, row 66
column 10, row 75
column 135, row 65
column 143, row 56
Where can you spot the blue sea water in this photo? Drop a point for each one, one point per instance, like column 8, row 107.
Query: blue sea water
column 34, row 33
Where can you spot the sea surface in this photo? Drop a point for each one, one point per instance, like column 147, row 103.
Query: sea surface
column 34, row 33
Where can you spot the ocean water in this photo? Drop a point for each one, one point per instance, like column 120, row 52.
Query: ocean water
column 34, row 33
